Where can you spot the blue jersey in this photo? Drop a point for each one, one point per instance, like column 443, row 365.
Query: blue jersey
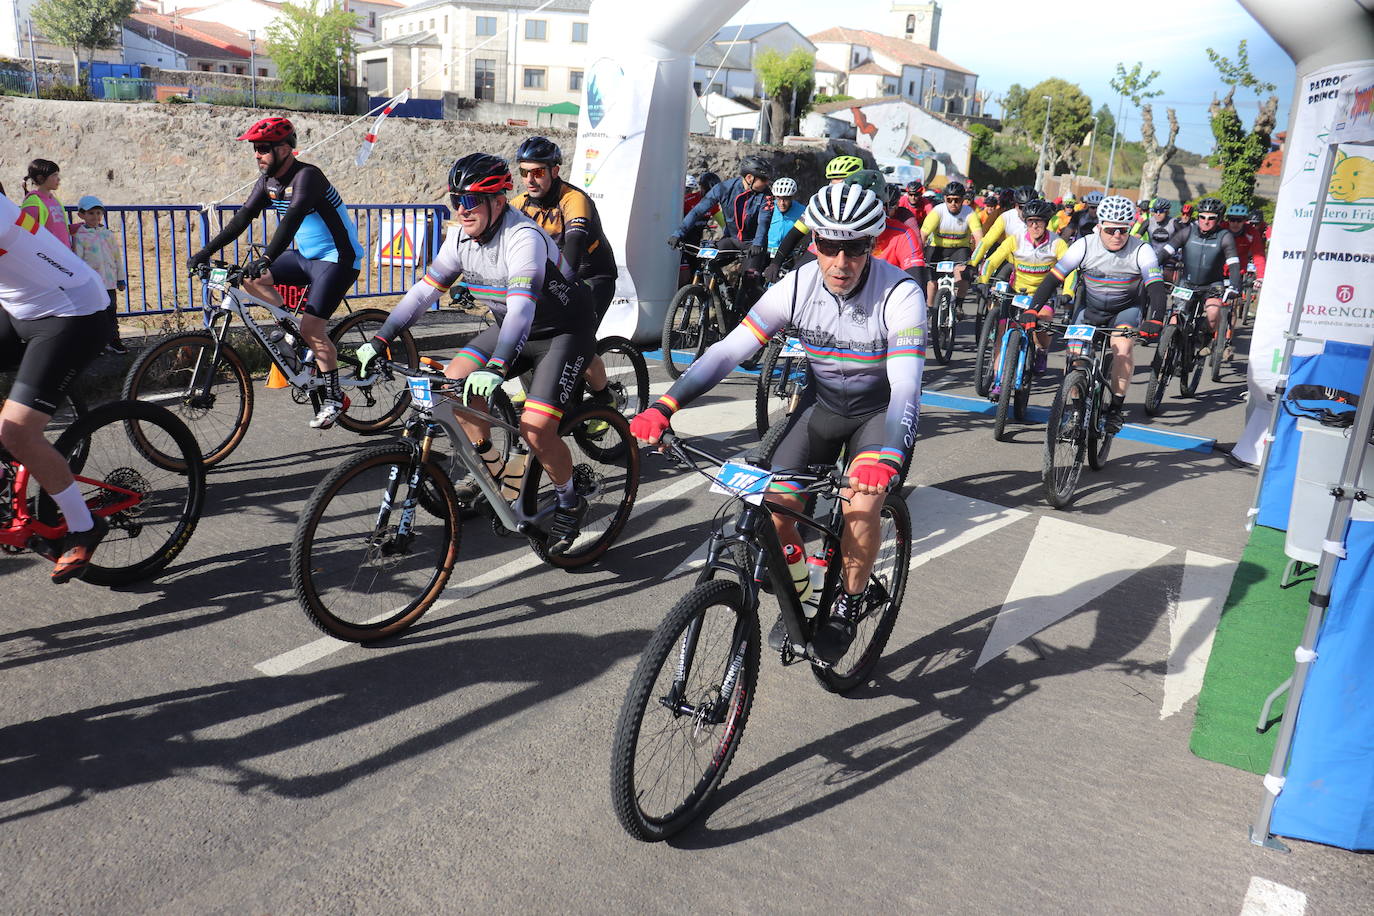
column 311, row 213
column 782, row 221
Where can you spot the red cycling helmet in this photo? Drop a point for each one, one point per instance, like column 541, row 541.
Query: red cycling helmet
column 271, row 130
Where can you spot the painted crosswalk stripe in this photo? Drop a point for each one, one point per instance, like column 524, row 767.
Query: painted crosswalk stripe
column 1192, row 623
column 1269, row 898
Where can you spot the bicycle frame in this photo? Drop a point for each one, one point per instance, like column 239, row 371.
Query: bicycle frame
column 24, row 530
column 709, row 273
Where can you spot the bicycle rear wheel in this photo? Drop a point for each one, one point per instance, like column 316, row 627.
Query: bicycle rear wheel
column 215, row 402
column 781, row 381
column 605, row 463
column 985, row 366
column 627, row 375
column 373, row 408
column 882, row 600
column 364, row 574
column 684, row 328
column 152, row 506
column 1066, row 439
column 685, row 711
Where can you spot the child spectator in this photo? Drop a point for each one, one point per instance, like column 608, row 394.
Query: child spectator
column 40, row 202
column 97, row 246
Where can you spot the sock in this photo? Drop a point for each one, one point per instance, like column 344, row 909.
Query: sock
column 332, row 391
column 567, row 496
column 74, row 508
column 1118, row 401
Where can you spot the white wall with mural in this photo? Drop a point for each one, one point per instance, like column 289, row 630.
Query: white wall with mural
column 893, row 130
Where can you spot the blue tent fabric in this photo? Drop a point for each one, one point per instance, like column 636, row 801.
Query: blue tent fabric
column 1341, row 366
column 1329, row 793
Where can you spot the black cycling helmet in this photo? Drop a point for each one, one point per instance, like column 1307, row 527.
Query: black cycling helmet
column 1211, row 205
column 915, row 187
column 956, row 189
column 1006, row 199
column 539, row 149
column 1037, row 209
column 1023, row 194
column 706, row 181
column 894, row 195
column 1161, row 205
column 757, row 166
column 479, row 173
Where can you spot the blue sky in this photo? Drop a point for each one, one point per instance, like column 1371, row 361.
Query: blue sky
column 1082, row 43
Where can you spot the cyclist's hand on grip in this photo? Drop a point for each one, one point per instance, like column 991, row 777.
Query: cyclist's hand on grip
column 872, row 477
column 256, row 268
column 196, row 261
column 772, row 271
column 675, row 241
column 1151, row 329
column 756, row 251
column 648, row 425
column 481, row 384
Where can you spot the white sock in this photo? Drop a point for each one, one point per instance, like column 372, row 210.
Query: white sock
column 74, row 508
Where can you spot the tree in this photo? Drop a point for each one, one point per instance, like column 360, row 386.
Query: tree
column 787, row 82
column 1070, row 120
column 1239, row 153
column 1156, row 156
column 78, row 24
column 1134, row 85
column 1106, row 121
column 302, row 42
column 1012, row 103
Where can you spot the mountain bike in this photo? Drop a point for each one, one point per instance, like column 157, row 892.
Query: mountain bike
column 1176, row 354
column 378, row 538
column 703, row 311
column 1016, row 356
column 784, row 376
column 117, row 453
column 1077, row 426
column 1221, row 337
column 690, row 696
column 996, row 316
column 944, row 311
column 204, row 380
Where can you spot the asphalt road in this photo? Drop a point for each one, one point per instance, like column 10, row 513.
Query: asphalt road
column 148, row 764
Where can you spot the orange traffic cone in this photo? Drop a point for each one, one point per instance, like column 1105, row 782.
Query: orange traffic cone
column 275, row 379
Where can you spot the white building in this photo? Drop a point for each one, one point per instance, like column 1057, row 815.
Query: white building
column 866, row 64
column 481, row 49
column 725, row 64
column 892, row 128
column 728, row 118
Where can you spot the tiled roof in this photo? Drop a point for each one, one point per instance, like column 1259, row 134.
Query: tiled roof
column 906, row 52
column 871, row 68
column 191, row 37
column 828, row 107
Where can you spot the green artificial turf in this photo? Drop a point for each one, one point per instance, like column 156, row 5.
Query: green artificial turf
column 1261, row 624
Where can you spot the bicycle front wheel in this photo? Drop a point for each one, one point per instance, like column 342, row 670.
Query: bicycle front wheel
column 1099, row 440
column 627, row 375
column 1220, row 340
column 1012, row 344
column 985, row 366
column 685, row 711
column 1066, row 439
column 942, row 326
column 215, row 402
column 1161, row 369
column 605, row 467
column 882, row 600
column 373, row 408
column 365, row 564
column 152, row 506
column 684, row 328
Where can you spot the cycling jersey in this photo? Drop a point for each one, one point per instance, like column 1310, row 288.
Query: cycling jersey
column 1112, row 281
column 744, row 213
column 1250, row 247
column 1205, row 258
column 866, row 350
column 518, row 273
column 565, row 213
column 899, row 246
column 943, row 229
column 39, row 276
column 1009, row 224
column 311, row 213
column 781, row 222
column 1031, row 261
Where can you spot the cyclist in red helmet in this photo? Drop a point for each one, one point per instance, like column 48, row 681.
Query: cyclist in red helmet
column 327, row 256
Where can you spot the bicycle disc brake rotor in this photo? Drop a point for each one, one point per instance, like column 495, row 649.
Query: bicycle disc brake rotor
column 586, row 481
column 703, row 716
column 386, row 549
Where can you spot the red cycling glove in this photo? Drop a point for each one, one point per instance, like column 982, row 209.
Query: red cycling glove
column 649, row 425
column 874, row 474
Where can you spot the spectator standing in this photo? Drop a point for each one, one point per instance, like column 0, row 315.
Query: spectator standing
column 40, row 201
column 96, row 244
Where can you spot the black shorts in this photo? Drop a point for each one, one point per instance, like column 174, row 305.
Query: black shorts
column 603, row 291
column 1129, row 317
column 50, row 353
column 815, row 435
column 328, row 282
column 957, row 255
column 558, row 362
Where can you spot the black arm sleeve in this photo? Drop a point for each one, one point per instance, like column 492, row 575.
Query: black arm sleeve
column 789, row 244
column 1046, row 290
column 307, row 195
column 574, row 247
column 252, row 208
column 1230, row 256
column 920, row 273
column 1156, row 294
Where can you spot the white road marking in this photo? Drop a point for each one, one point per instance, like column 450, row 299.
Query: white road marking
column 942, row 522
column 1066, row 566
column 300, row 657
column 1269, row 898
column 1192, row 623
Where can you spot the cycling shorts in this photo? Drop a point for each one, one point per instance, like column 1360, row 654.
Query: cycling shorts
column 815, row 435
column 936, row 255
column 1127, row 317
column 328, row 282
column 50, row 353
column 558, row 362
column 603, row 291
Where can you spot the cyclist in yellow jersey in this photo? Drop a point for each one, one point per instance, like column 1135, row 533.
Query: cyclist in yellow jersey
column 1031, row 255
column 950, row 234
column 1008, row 223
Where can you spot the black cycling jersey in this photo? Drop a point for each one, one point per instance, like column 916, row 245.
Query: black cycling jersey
column 1206, row 257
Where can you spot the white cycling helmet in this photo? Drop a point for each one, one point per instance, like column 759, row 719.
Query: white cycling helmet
column 846, row 211
column 690, row 182
column 1116, row 209
column 784, row 187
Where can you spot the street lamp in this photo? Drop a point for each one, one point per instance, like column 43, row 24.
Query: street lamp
column 1111, row 160
column 253, row 63
column 338, row 85
column 1044, row 139
column 1092, row 149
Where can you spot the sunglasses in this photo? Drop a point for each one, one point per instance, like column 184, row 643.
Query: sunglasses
column 538, row 172
column 854, row 248
column 1208, row 217
column 264, row 147
column 1115, row 230
column 468, row 201
column 950, row 197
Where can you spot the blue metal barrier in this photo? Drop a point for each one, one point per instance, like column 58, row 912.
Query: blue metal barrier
column 157, row 240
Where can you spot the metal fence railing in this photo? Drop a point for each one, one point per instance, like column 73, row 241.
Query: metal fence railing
column 135, row 89
column 398, row 242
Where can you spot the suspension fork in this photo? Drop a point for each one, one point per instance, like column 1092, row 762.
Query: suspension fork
column 219, row 331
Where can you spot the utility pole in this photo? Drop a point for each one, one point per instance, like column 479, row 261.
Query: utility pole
column 1044, row 139
column 253, row 63
column 1111, row 160
column 1092, row 149
column 33, row 60
column 338, row 81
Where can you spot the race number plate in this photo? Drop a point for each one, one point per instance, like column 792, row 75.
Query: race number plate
column 735, row 478
column 219, row 279
column 1182, row 294
column 791, row 348
column 945, row 267
column 1002, row 286
column 1022, row 300
column 1082, row 332
column 707, row 253
column 420, row 393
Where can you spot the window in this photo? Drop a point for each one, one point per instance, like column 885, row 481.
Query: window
column 484, row 78
column 445, row 25
column 238, row 71
column 574, row 80
column 911, row 87
column 371, row 20
column 580, row 32
column 536, row 30
column 431, row 25
column 910, row 24
column 262, row 71
column 534, row 78
column 205, row 67
column 742, row 133
column 696, row 87
column 486, row 25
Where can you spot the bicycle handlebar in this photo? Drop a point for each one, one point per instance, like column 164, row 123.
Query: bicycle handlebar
column 829, row 476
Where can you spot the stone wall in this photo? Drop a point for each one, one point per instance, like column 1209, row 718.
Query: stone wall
column 151, row 153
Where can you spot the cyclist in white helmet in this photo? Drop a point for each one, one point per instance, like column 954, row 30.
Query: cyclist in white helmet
column 786, row 211
column 862, row 322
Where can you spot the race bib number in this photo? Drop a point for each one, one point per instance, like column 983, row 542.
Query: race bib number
column 1079, row 332
column 1182, row 294
column 219, row 279
column 1001, row 286
column 735, row 478
column 945, row 267
column 707, row 253
column 1022, row 300
column 791, row 348
column 420, row 393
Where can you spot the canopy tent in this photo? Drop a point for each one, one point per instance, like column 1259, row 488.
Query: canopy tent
column 558, row 108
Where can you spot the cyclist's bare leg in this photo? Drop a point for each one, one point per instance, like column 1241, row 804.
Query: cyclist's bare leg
column 785, row 526
column 1213, row 307
column 21, row 432
column 459, row 368
column 1123, row 364
column 859, row 541
column 541, row 432
column 960, row 284
column 596, row 374
column 315, row 330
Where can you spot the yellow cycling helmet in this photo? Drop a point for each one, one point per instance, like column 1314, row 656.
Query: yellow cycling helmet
column 842, row 167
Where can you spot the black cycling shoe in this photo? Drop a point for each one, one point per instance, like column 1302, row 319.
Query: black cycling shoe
column 567, row 525
column 836, row 635
column 471, row 499
column 1114, row 420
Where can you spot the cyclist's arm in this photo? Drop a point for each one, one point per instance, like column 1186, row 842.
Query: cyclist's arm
column 999, row 256
column 906, row 357
column 764, row 221
column 1068, row 262
column 711, row 198
column 525, row 263
column 307, row 195
column 994, row 233
column 1153, row 278
column 577, row 230
column 1257, row 255
column 931, row 224
column 441, row 274
column 1232, row 267
column 1175, row 244
column 975, row 228
column 252, row 208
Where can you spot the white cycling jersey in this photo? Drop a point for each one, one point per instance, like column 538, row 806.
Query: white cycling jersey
column 39, row 276
column 1112, row 280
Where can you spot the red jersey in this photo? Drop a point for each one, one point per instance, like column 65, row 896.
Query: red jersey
column 900, row 246
column 1250, row 246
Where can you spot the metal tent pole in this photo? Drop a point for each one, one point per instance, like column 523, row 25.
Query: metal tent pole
column 1346, row 493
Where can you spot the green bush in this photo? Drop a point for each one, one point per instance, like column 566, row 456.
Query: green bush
column 65, row 92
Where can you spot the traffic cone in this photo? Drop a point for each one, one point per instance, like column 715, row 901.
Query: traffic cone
column 275, row 379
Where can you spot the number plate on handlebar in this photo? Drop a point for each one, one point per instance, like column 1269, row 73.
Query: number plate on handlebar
column 1079, row 332
column 1022, row 300
column 707, row 253
column 791, row 348
column 945, row 267
column 735, row 478
column 1001, row 286
column 219, row 279
column 1182, row 294
column 420, row 393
